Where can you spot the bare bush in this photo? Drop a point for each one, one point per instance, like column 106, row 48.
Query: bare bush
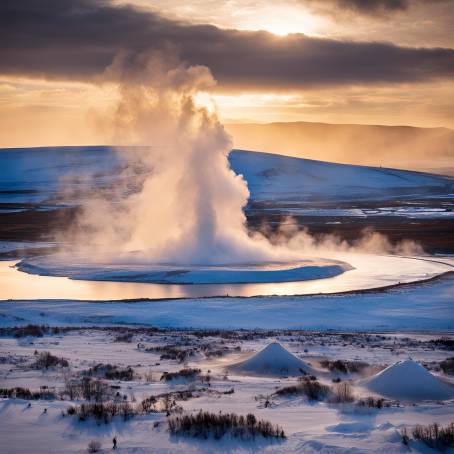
column 344, row 367
column 46, row 360
column 103, row 411
column 342, row 393
column 87, row 388
column 26, row 394
column 173, row 352
column 312, row 389
column 205, row 425
column 373, row 402
column 148, row 405
column 94, row 446
column 435, row 436
column 186, row 373
column 111, row 372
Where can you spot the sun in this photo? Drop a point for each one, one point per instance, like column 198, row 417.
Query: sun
column 282, row 21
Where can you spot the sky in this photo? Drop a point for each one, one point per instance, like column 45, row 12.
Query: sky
column 387, row 62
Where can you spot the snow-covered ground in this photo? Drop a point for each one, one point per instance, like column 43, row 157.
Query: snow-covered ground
column 311, row 426
column 10, row 246
column 368, row 329
column 421, row 307
column 31, row 175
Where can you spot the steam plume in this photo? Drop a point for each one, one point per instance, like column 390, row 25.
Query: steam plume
column 180, row 201
column 188, row 207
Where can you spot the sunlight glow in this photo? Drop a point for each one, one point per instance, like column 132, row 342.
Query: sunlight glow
column 281, row 21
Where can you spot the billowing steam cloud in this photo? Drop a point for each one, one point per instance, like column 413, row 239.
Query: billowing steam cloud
column 188, row 206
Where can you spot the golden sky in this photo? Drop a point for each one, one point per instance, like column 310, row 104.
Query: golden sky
column 338, row 61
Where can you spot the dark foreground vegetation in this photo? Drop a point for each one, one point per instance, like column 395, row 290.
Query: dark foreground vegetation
column 433, row 435
column 186, row 373
column 447, row 366
column 344, row 367
column 45, row 360
column 312, row 389
column 111, row 372
column 205, row 425
column 26, row 394
column 307, row 386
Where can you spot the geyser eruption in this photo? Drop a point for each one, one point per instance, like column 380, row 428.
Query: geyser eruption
column 175, row 215
column 188, row 207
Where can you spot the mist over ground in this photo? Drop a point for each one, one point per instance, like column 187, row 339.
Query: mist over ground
column 405, row 147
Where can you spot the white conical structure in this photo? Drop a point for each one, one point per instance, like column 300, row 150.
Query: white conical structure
column 274, row 360
column 409, row 380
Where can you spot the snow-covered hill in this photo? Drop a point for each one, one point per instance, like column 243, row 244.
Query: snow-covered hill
column 36, row 174
column 277, row 177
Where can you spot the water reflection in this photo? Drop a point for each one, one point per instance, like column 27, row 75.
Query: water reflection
column 370, row 272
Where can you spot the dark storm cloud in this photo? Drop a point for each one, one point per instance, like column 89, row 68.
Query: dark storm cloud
column 79, row 39
column 374, row 6
column 368, row 7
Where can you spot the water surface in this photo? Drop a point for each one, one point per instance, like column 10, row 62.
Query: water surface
column 371, row 271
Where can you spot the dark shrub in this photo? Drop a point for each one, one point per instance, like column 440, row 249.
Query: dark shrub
column 94, row 446
column 30, row 330
column 372, row 402
column 87, row 388
column 434, row 435
column 447, row 366
column 342, row 393
column 344, row 367
column 312, row 389
column 444, row 342
column 103, row 411
column 26, row 394
column 110, row 372
column 205, row 424
column 187, row 373
column 46, row 360
column 172, row 352
column 124, row 337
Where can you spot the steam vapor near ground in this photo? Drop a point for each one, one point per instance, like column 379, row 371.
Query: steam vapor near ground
column 181, row 202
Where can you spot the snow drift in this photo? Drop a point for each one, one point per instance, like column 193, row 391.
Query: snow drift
column 409, row 380
column 273, row 360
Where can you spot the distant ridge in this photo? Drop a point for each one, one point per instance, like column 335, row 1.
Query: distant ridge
column 405, row 147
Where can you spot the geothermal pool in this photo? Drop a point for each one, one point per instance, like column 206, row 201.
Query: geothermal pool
column 368, row 271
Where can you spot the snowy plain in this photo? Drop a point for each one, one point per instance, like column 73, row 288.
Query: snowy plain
column 310, row 426
column 89, row 326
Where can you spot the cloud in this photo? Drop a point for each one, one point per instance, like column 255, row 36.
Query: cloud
column 378, row 8
column 80, row 40
column 373, row 6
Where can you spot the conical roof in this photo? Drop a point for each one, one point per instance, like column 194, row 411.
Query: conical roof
column 274, row 359
column 409, row 380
